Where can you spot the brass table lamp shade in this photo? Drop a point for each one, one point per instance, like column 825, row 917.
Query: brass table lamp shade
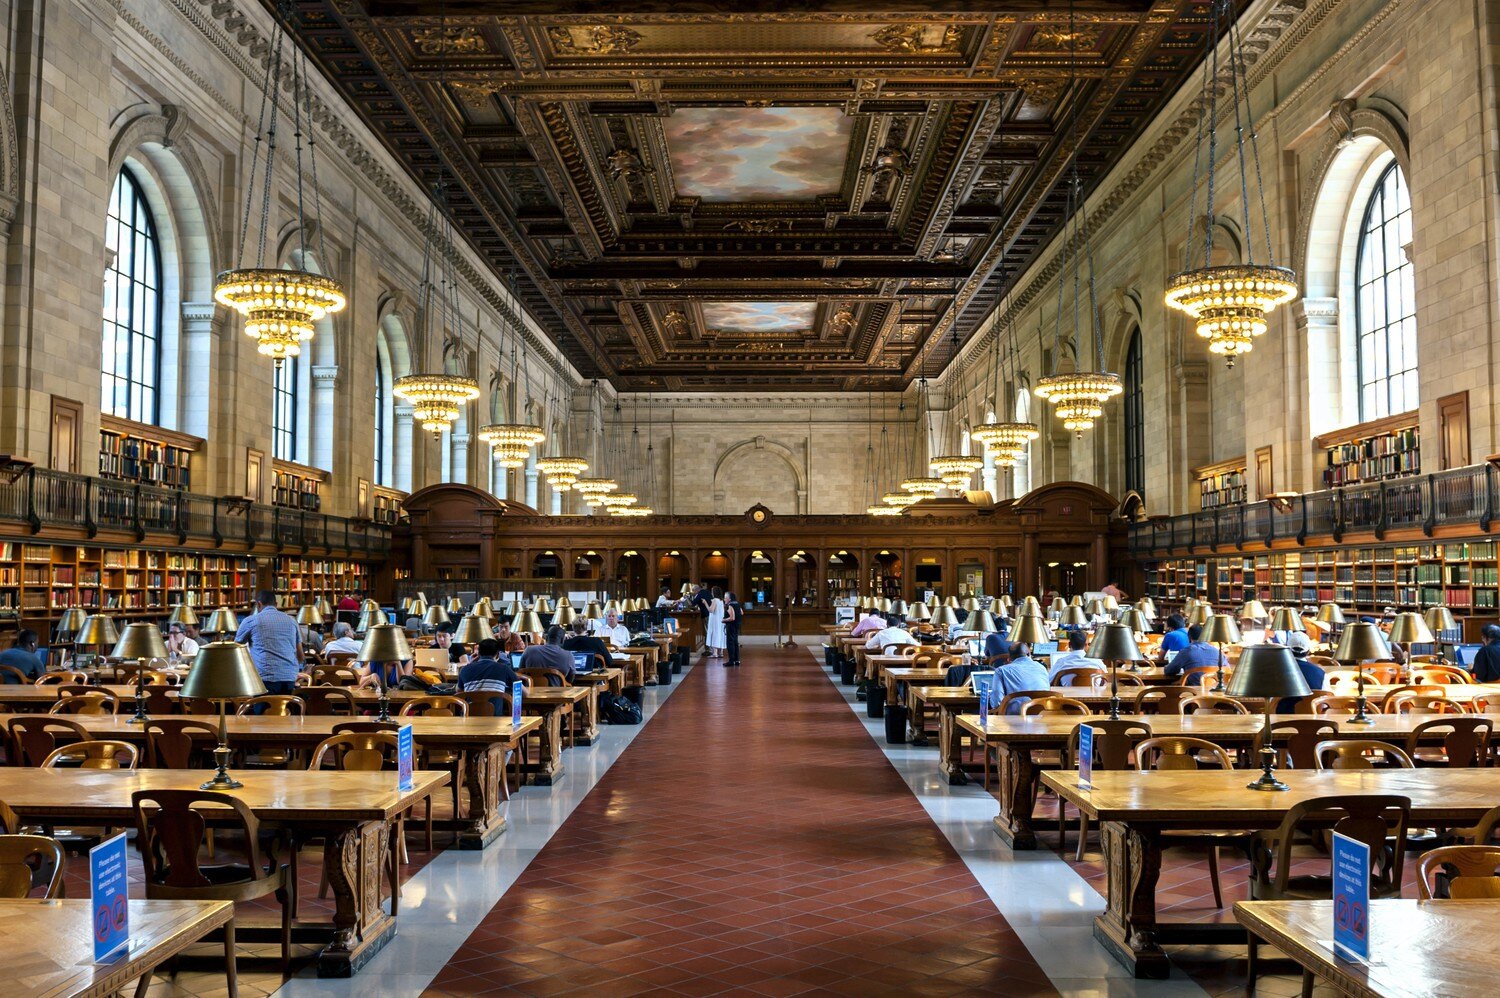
column 183, row 615
column 140, row 640
column 864, row 602
column 1076, row 601
column 883, row 605
column 1440, row 618
column 899, row 607
column 945, row 617
column 613, row 606
column 971, row 604
column 1221, row 629
column 405, row 604
column 1073, row 616
column 436, row 616
column 455, row 605
column 542, row 605
column 473, row 629
column 516, row 608
column 592, row 612
column 1007, row 602
column 384, row 643
column 1095, row 608
column 72, row 620
column 483, row 609
column 1029, row 630
column 368, row 620
column 324, row 607
column 222, row 671
column 919, row 611
column 563, row 601
column 1031, row 606
column 1253, row 609
column 1330, row 613
column 981, row 622
column 309, row 615
column 1199, row 614
column 1058, row 603
column 222, row 621
column 564, row 616
column 1286, row 619
column 1136, row 621
column 1110, row 603
column 1268, row 671
column 1115, row 643
column 951, row 602
column 370, row 604
column 1411, row 629
column 98, row 629
column 417, row 608
column 1362, row 642
column 527, row 623
column 1148, row 607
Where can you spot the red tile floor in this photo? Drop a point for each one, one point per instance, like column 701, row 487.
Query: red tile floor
column 752, row 839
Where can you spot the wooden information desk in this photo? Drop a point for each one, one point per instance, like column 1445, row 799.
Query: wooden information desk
column 484, row 742
column 1133, row 809
column 49, row 945
column 1420, row 947
column 351, row 811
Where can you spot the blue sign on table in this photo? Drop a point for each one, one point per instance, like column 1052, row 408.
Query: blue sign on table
column 984, row 707
column 108, row 882
column 1351, row 898
column 515, row 703
column 1086, row 756
column 403, row 757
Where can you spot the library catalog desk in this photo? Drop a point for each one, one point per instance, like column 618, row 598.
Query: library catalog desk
column 352, row 812
column 1133, row 809
column 49, row 945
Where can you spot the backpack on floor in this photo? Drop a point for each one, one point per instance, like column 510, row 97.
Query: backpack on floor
column 618, row 710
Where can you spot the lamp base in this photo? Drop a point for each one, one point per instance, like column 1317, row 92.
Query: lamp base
column 1267, row 782
column 141, row 718
column 221, row 781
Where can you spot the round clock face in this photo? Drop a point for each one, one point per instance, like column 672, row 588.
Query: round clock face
column 759, row 516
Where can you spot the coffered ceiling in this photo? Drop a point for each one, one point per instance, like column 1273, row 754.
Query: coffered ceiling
column 706, row 196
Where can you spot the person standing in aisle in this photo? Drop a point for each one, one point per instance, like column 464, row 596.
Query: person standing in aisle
column 713, row 628
column 275, row 644
column 733, row 616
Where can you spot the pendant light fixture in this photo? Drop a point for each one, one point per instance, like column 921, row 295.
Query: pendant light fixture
column 593, row 490
column 280, row 305
column 1005, row 440
column 876, row 458
column 921, row 486
column 1228, row 302
column 1079, row 395
column 955, row 469
column 562, row 470
column 511, row 443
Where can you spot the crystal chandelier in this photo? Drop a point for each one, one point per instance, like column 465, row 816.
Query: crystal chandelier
column 511, row 443
column 562, row 472
column 1079, row 397
column 955, row 470
column 632, row 511
column 593, row 490
column 898, row 500
column 618, row 500
column 436, row 399
column 882, row 510
column 1228, row 302
column 922, row 488
column 280, row 305
column 1005, row 440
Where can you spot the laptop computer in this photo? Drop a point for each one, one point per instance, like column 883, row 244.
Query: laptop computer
column 435, row 659
column 1044, row 649
column 982, row 682
column 515, row 660
column 976, row 647
column 583, row 661
column 1464, row 655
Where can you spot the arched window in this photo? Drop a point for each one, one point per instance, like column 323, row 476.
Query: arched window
column 1021, row 474
column 1385, row 302
column 382, row 417
column 1135, row 417
column 130, row 368
column 284, row 410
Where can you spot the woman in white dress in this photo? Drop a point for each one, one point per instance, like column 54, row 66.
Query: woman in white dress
column 713, row 634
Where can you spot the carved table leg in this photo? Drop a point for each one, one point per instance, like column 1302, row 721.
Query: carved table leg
column 549, row 754
column 951, row 747
column 1127, row 928
column 1017, row 797
column 483, row 772
column 354, row 858
column 916, row 727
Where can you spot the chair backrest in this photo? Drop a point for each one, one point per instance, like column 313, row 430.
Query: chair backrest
column 340, row 659
column 543, row 676
column 1194, row 675
column 368, row 751
column 1390, row 702
column 364, row 727
column 334, row 675
column 62, row 679
column 436, row 706
column 1345, row 680
column 1177, row 752
column 1324, row 662
column 1055, row 705
column 170, row 834
column 170, row 741
column 1440, row 675
column 1466, row 739
column 159, row 678
column 1211, row 703
column 1079, row 675
column 10, row 672
column 1161, row 699
column 102, row 753
column 1113, row 741
column 1124, row 681
column 1020, row 695
column 34, row 736
column 1359, row 753
column 275, row 705
column 1481, row 833
column 1377, row 820
column 1459, row 873
column 1328, row 703
column 1297, row 748
column 487, row 703
column 328, row 701
column 23, row 858
column 905, row 651
column 74, row 700
column 159, row 699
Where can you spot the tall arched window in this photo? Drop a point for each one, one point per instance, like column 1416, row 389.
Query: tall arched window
column 1135, row 417
column 284, row 410
column 1021, row 474
column 1385, row 302
column 130, row 368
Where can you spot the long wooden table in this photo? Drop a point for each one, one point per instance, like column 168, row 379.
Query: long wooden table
column 484, row 742
column 1134, row 809
column 352, row 812
column 1421, row 948
column 49, row 947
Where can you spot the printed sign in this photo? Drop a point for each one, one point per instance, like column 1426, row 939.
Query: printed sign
column 984, row 708
column 1086, row 756
column 108, row 880
column 1351, row 898
column 403, row 757
column 515, row 703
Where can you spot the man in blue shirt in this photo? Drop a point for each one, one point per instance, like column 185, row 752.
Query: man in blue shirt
column 22, row 655
column 487, row 673
column 1196, row 653
column 1022, row 674
column 1300, row 648
column 275, row 644
column 1176, row 637
column 997, row 645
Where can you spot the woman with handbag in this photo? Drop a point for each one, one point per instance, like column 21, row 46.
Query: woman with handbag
column 713, row 631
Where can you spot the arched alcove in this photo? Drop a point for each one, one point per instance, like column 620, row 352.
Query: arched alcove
column 758, row 471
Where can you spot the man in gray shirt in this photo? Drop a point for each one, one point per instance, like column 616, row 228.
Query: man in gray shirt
column 275, row 644
column 551, row 655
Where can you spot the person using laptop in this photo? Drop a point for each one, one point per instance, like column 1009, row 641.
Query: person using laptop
column 1020, row 674
column 610, row 629
column 487, row 673
column 22, row 655
column 1074, row 657
column 510, row 641
column 581, row 641
column 1487, row 658
column 550, row 655
column 343, row 640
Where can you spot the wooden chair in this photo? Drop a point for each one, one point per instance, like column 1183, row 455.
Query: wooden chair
column 32, row 737
column 1087, row 674
column 449, row 759
column 1299, row 749
column 1466, row 744
column 1020, row 695
column 340, row 659
column 542, row 676
column 334, row 675
column 1423, row 703
column 1162, row 699
column 63, row 679
column 328, row 701
column 1114, row 742
column 71, row 700
column 1201, row 676
column 1055, row 705
column 27, row 862
column 1345, row 680
column 365, row 751
column 905, row 651
column 103, row 753
column 1211, row 703
column 1337, row 705
column 10, row 675
column 1360, row 753
column 1481, row 833
column 170, row 743
column 1179, row 753
column 1440, row 675
column 1459, row 873
column 1377, row 820
column 273, row 705
column 1394, row 696
column 170, row 832
column 159, row 699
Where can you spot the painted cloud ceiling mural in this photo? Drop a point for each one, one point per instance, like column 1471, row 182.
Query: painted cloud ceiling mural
column 757, row 153
column 759, row 316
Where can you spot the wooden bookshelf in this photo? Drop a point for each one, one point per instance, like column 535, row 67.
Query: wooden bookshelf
column 145, row 454
column 385, row 505
column 1221, row 483
column 296, row 486
column 1371, row 452
column 299, row 580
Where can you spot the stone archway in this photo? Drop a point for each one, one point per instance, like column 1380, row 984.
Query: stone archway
column 759, row 471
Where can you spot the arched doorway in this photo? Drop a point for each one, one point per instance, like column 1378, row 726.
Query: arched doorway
column 630, row 570
column 760, row 580
column 802, row 578
column 927, row 573
column 672, row 572
column 843, row 577
column 888, row 567
column 546, row 565
column 589, row 565
column 714, row 570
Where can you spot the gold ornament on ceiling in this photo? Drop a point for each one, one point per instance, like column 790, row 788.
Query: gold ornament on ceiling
column 598, row 39
column 758, row 226
column 625, row 163
column 842, row 320
column 914, row 38
column 446, row 41
column 675, row 323
column 1060, row 38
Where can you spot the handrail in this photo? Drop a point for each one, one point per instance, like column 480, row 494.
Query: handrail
column 41, row 497
column 1464, row 496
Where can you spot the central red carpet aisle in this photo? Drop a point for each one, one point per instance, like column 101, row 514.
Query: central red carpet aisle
column 754, row 839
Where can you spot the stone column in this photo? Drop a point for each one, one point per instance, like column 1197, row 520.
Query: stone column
column 531, row 490
column 402, row 456
column 458, row 463
column 195, row 350
column 501, row 477
column 557, row 498
column 324, row 386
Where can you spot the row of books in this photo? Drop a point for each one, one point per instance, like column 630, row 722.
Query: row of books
column 1386, row 456
column 133, row 459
